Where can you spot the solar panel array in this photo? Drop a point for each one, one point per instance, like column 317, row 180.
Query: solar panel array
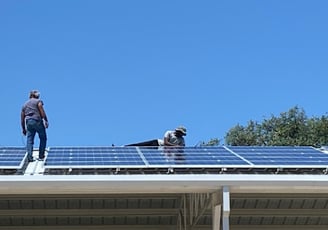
column 12, row 157
column 210, row 157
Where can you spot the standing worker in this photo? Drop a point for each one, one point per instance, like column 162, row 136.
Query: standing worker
column 34, row 120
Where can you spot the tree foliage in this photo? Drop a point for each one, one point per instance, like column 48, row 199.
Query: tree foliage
column 291, row 128
column 211, row 142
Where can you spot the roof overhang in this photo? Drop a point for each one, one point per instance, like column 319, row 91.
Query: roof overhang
column 131, row 184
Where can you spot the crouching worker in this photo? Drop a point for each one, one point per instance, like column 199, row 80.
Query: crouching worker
column 174, row 143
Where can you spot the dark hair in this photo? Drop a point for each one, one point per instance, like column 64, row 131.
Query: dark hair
column 34, row 94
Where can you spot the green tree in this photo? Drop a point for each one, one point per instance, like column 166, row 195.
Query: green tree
column 240, row 135
column 211, row 142
column 318, row 130
column 291, row 128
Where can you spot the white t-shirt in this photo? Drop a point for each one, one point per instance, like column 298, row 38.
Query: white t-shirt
column 173, row 139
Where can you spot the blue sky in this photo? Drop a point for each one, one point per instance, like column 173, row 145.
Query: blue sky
column 120, row 72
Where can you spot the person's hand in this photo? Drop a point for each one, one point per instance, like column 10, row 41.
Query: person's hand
column 46, row 124
column 24, row 132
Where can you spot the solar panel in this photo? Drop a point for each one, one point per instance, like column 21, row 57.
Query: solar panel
column 191, row 157
column 12, row 157
column 285, row 156
column 187, row 157
column 93, row 157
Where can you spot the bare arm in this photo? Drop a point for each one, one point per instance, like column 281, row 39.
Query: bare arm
column 166, row 140
column 43, row 114
column 23, row 122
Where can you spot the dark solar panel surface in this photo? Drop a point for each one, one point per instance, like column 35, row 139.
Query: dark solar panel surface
column 93, row 157
column 12, row 157
column 84, row 157
column 191, row 156
column 143, row 157
column 281, row 155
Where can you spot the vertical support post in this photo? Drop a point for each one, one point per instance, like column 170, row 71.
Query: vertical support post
column 225, row 208
column 216, row 211
column 185, row 211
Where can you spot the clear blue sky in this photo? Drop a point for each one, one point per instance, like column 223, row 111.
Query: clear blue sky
column 120, row 72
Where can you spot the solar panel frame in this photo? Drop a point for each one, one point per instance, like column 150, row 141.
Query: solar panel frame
column 12, row 157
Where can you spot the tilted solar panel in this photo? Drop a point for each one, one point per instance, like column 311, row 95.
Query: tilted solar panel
column 286, row 156
column 12, row 157
column 90, row 157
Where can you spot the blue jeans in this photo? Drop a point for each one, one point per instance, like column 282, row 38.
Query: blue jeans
column 34, row 127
